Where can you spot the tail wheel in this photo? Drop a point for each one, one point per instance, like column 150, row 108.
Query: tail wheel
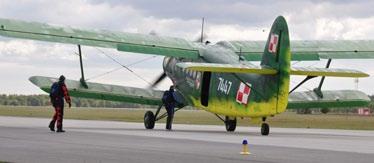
column 230, row 124
column 149, row 120
column 265, row 129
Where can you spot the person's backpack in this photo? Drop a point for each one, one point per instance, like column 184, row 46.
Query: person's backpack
column 55, row 91
column 167, row 98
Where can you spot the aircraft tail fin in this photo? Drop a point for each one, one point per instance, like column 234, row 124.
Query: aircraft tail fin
column 277, row 55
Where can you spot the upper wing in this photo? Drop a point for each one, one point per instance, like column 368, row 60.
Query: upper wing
column 248, row 68
column 341, row 98
column 103, row 91
column 138, row 43
column 309, row 49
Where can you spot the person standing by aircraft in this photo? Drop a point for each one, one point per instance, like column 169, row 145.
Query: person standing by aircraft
column 57, row 94
column 169, row 103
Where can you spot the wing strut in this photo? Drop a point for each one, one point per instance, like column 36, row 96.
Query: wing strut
column 318, row 89
column 301, row 83
column 82, row 80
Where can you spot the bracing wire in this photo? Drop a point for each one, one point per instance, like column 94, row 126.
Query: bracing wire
column 302, row 86
column 124, row 66
column 119, row 68
column 105, row 73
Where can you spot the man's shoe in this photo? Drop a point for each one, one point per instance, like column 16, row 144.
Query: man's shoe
column 169, row 122
column 60, row 130
column 51, row 127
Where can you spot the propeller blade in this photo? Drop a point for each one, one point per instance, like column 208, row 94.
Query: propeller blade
column 158, row 80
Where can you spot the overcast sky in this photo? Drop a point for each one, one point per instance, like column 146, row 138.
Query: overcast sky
column 226, row 20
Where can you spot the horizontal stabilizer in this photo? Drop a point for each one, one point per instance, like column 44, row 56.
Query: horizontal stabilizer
column 227, row 68
column 340, row 98
column 309, row 71
column 103, row 91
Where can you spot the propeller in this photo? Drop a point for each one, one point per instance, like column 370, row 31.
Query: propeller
column 158, row 80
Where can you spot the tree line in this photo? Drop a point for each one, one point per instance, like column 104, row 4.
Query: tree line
column 44, row 100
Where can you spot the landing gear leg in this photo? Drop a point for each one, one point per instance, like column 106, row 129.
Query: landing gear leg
column 150, row 118
column 265, row 129
column 230, row 124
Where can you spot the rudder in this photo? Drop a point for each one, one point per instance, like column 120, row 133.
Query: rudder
column 277, row 55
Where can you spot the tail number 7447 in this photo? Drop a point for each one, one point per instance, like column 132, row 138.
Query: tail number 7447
column 224, row 86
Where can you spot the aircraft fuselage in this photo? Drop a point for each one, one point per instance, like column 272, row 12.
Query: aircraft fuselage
column 230, row 94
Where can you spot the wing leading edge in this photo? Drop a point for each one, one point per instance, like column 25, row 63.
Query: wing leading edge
column 304, row 50
column 129, row 42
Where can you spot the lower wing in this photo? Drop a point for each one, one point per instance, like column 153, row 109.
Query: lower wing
column 103, row 91
column 339, row 98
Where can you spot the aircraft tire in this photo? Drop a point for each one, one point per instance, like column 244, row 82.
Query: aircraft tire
column 230, row 124
column 149, row 120
column 265, row 129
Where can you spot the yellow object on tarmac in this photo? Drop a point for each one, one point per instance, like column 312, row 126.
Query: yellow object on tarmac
column 245, row 150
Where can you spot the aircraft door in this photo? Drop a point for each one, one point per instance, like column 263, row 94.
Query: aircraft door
column 205, row 88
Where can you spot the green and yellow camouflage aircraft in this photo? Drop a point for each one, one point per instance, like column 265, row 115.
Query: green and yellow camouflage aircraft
column 218, row 78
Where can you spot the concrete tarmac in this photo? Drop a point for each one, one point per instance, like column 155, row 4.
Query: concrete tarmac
column 29, row 140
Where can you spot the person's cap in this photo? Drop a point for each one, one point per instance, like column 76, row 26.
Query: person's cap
column 62, row 78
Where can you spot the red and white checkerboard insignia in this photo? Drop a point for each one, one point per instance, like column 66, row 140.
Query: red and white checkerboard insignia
column 273, row 42
column 243, row 93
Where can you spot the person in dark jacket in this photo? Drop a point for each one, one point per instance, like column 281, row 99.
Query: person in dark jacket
column 58, row 92
column 169, row 103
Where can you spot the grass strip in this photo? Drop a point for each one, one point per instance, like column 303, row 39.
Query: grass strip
column 285, row 120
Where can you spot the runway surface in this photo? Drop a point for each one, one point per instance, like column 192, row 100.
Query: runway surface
column 29, row 140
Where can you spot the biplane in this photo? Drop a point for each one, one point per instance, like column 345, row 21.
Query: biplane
column 220, row 78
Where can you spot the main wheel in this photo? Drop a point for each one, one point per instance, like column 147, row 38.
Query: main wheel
column 265, row 129
column 230, row 124
column 149, row 120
